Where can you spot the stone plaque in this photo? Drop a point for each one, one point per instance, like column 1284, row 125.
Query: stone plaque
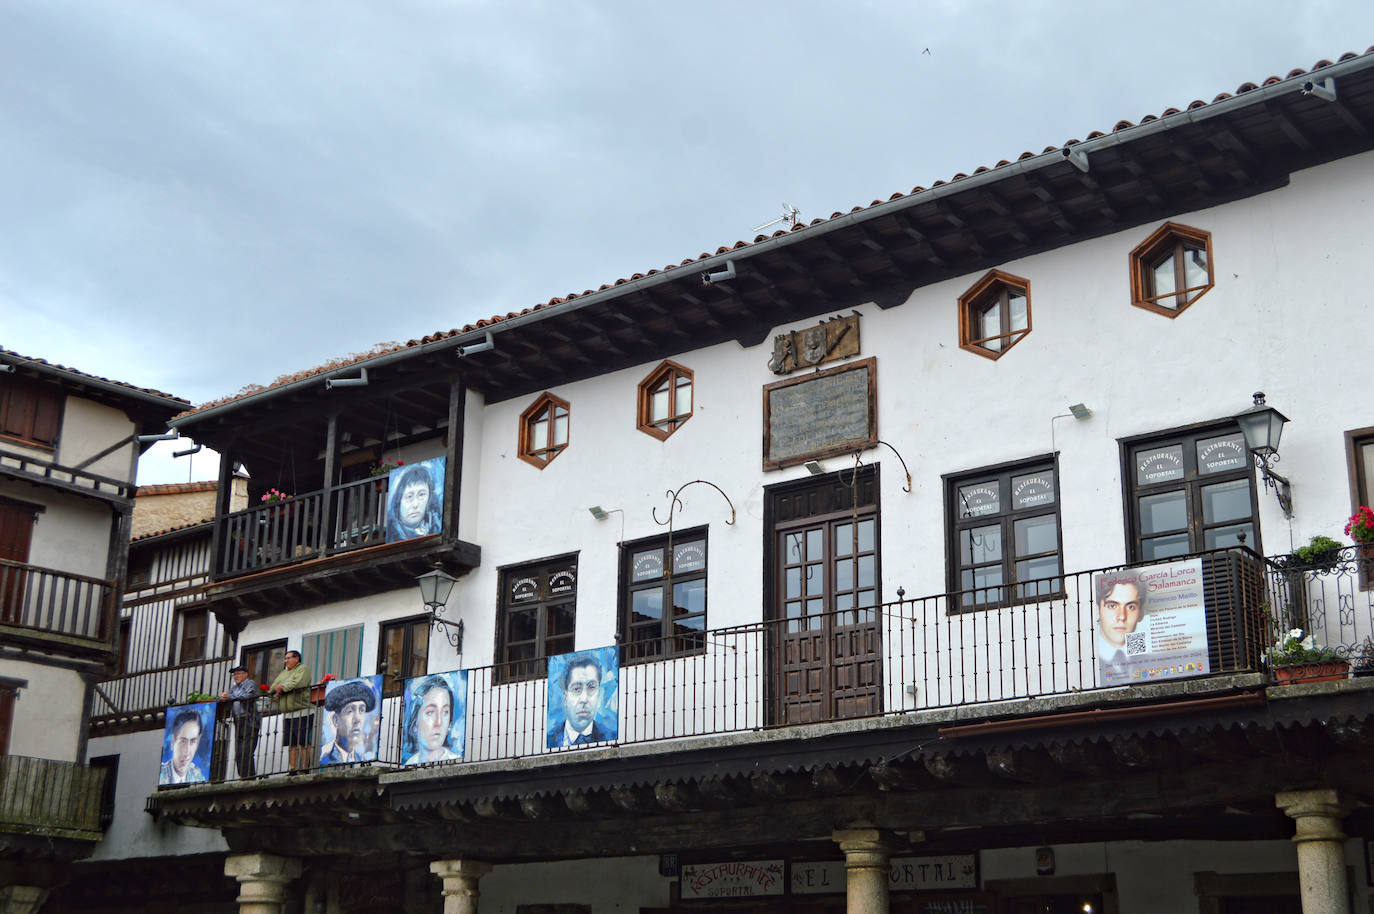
column 820, row 415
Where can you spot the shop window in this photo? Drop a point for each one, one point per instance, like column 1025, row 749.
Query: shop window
column 544, row 430
column 1171, row 269
column 1003, row 526
column 663, row 596
column 995, row 314
column 538, row 614
column 665, row 400
column 1190, row 492
column 30, row 412
column 403, row 652
column 339, row 652
column 264, row 661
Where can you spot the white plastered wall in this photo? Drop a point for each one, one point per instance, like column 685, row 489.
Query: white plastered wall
column 89, row 428
column 47, row 713
column 72, row 533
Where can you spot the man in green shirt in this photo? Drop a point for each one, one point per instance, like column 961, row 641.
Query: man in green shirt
column 291, row 689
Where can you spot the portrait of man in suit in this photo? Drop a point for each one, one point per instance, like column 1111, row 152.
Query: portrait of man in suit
column 582, row 698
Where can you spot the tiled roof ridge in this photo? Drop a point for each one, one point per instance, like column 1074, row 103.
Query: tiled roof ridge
column 178, row 527
column 384, row 348
column 94, row 377
column 173, row 488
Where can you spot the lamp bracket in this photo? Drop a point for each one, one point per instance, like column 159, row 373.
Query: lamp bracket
column 1283, row 489
column 674, row 502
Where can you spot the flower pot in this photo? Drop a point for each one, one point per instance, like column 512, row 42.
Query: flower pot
column 1321, row 671
column 1365, row 552
column 317, row 694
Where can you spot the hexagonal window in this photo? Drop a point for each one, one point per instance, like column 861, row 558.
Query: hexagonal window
column 994, row 314
column 544, row 430
column 1171, row 269
column 665, row 400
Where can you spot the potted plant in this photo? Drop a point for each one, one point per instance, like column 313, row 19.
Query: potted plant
column 1296, row 658
column 317, row 689
column 382, row 467
column 1320, row 554
column 1360, row 528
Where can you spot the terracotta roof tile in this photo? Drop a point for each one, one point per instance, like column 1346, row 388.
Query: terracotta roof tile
column 188, row 526
column 176, row 488
column 725, row 249
column 93, row 377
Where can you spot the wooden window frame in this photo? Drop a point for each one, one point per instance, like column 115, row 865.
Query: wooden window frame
column 1361, row 487
column 179, row 657
column 392, row 685
column 1006, row 518
column 1170, row 239
column 996, row 288
column 543, row 572
column 1192, row 482
column 550, row 404
column 31, row 413
column 265, row 650
column 666, row 644
column 672, row 373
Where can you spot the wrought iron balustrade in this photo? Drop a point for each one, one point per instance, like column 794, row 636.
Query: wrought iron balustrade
column 902, row 657
column 52, row 798
column 56, row 602
column 1331, row 600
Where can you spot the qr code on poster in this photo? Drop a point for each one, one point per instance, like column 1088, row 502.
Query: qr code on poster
column 1135, row 643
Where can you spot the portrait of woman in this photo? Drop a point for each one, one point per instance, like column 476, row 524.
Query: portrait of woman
column 415, row 501
column 435, row 717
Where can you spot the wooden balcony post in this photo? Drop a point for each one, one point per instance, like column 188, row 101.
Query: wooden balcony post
column 331, row 473
column 223, row 500
column 453, row 468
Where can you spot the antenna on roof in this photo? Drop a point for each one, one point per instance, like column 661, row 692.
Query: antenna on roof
column 789, row 215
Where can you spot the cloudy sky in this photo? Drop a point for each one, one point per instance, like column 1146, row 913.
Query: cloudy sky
column 199, row 196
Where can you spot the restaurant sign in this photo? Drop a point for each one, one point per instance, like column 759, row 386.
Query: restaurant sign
column 904, row 874
column 735, row 879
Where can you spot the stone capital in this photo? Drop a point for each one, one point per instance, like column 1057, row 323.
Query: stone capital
column 261, row 868
column 22, row 899
column 459, row 869
column 1318, row 813
column 863, row 847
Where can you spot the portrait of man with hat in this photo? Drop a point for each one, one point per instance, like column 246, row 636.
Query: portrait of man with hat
column 351, row 720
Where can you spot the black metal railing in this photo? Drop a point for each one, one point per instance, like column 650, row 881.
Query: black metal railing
column 1331, row 600
column 303, row 527
column 52, row 798
column 57, row 602
column 901, row 657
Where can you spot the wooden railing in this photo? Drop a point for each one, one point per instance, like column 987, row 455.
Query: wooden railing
column 56, row 602
column 41, row 796
column 298, row 529
column 145, row 693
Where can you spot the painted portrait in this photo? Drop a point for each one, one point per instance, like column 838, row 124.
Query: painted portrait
column 415, row 500
column 584, row 704
column 352, row 725
column 187, row 740
column 435, row 728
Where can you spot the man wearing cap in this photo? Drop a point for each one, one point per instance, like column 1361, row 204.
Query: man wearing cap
column 244, row 695
column 349, row 705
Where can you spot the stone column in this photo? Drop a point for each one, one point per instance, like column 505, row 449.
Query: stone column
column 1321, row 848
column 22, row 899
column 460, row 883
column 866, row 855
column 262, row 880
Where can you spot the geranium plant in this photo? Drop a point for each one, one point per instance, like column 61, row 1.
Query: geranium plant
column 1295, row 647
column 194, row 696
column 382, row 467
column 272, row 496
column 1360, row 528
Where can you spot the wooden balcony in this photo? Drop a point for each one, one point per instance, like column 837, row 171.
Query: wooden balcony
column 41, row 606
column 50, row 799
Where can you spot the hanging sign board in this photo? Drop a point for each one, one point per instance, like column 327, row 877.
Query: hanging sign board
column 735, row 879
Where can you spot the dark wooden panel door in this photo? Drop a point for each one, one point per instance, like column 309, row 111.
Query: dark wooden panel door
column 16, row 529
column 827, row 641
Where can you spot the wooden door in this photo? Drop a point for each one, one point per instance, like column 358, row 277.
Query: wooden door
column 827, row 646
column 16, row 529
